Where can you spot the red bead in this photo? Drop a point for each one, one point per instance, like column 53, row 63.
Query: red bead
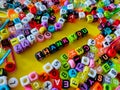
column 102, row 20
column 32, row 24
column 10, row 67
column 54, row 74
column 93, row 12
column 111, row 53
column 22, row 15
column 71, row 18
column 116, row 22
column 33, row 10
column 43, row 77
column 105, row 8
column 57, row 83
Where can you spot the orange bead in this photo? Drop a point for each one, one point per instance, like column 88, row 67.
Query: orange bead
column 99, row 37
column 55, row 8
column 77, row 88
column 96, row 86
column 62, row 2
column 30, row 6
column 72, row 53
column 98, row 44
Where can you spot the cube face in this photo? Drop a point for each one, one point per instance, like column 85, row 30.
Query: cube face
column 64, row 75
column 33, row 76
column 84, row 86
column 3, row 80
column 72, row 73
column 25, row 44
column 79, row 50
column 36, row 85
column 112, row 73
column 18, row 48
column 85, row 60
column 65, row 84
column 54, row 74
column 79, row 67
column 105, row 67
column 64, row 57
column 47, row 67
column 43, row 77
column 24, row 80
column 92, row 73
column 57, row 83
column 74, row 82
column 56, row 64
column 47, row 85
column 4, row 87
column 107, row 79
column 99, row 78
column 11, row 84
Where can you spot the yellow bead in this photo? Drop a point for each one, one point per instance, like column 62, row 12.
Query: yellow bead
column 113, row 36
column 74, row 82
column 14, row 41
column 98, row 61
column 93, row 49
column 86, row 70
column 4, row 33
column 42, row 30
column 83, row 78
column 76, row 1
column 79, row 50
column 36, row 85
column 90, row 18
column 1, row 38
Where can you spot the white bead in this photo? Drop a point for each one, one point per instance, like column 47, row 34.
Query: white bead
column 47, row 85
column 85, row 60
column 31, row 38
column 44, row 19
column 38, row 4
column 88, row 3
column 21, row 37
column 117, row 32
column 18, row 26
column 107, row 79
column 92, row 73
column 50, row 4
column 100, row 15
column 13, row 82
column 27, row 2
column 118, row 27
column 91, row 42
column 30, row 15
column 34, row 31
column 48, row 67
column 24, row 80
column 105, row 44
column 18, row 10
column 112, row 73
column 42, row 7
column 61, row 20
column 56, row 64
column 25, row 20
column 3, row 80
column 70, row 6
column 108, row 38
column 63, row 11
column 81, row 15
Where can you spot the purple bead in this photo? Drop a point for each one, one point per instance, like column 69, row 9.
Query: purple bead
column 54, row 89
column 18, row 48
column 45, row 24
column 25, row 43
column 27, row 26
column 90, row 55
column 66, row 3
column 12, row 36
column 84, row 86
column 18, row 32
column 79, row 67
column 58, row 26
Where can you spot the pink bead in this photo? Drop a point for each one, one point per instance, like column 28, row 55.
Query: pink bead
column 12, row 30
column 47, row 35
column 92, row 63
column 72, row 63
column 117, row 88
column 40, row 38
column 33, row 76
column 28, row 87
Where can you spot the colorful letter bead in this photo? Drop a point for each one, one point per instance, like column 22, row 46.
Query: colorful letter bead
column 18, row 48
column 72, row 63
column 21, row 37
column 107, row 87
column 79, row 67
column 64, row 57
column 77, row 59
column 65, row 84
column 47, row 35
column 92, row 73
column 43, row 76
column 4, row 87
column 24, row 80
column 86, row 48
column 79, row 50
column 72, row 53
column 56, row 64
column 36, row 85
column 65, row 66
column 106, row 67
column 46, row 52
column 59, row 44
column 65, row 41
column 13, row 82
column 40, row 38
column 14, row 41
column 54, row 74
column 72, row 37
column 33, row 76
column 39, row 55
column 91, row 42
column 48, row 67
column 25, row 44
column 104, row 57
column 74, row 82
column 99, row 78
column 47, row 85
column 3, row 80
column 31, row 38
column 90, row 82
column 112, row 73
column 96, row 86
column 64, row 75
column 72, row 73
column 84, row 86
column 107, row 79
column 53, row 48
column 85, row 60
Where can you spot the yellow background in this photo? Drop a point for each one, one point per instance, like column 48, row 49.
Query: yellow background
column 26, row 62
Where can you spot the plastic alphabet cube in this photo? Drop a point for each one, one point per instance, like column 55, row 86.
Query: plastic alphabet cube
column 48, row 67
column 56, row 64
column 24, row 80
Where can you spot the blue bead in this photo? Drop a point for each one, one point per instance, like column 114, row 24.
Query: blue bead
column 106, row 31
column 17, row 20
column 100, row 10
column 106, row 2
column 17, row 4
column 64, row 7
column 51, row 28
column 11, row 6
column 39, row 12
column 4, row 87
column 46, row 14
column 72, row 73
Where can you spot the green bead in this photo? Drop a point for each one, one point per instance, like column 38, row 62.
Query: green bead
column 114, row 82
column 84, row 32
column 107, row 14
column 116, row 67
column 106, row 67
column 64, row 57
column 79, row 50
column 101, row 4
column 64, row 75
column 88, row 9
column 2, row 52
column 72, row 37
column 93, row 49
column 106, row 87
column 65, row 65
